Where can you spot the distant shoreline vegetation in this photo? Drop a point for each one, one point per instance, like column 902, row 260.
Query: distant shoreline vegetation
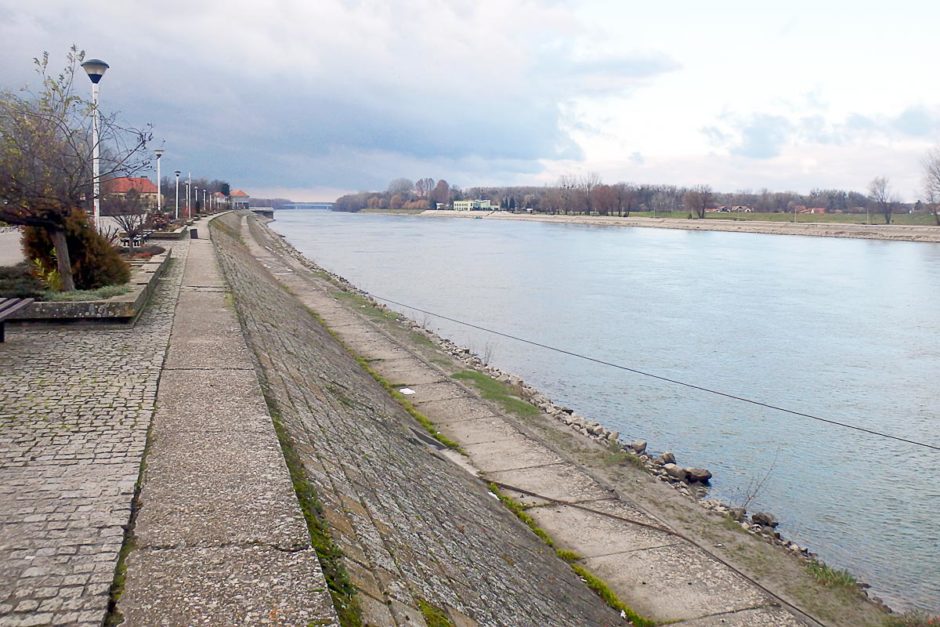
column 588, row 195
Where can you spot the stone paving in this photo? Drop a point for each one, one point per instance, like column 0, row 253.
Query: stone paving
column 75, row 406
column 412, row 525
column 581, row 514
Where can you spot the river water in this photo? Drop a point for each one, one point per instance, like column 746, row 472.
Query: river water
column 842, row 329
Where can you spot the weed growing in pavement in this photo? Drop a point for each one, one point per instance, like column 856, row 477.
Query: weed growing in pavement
column 433, row 615
column 493, row 390
column 595, row 583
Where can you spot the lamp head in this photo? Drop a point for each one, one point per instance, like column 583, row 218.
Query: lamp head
column 159, row 152
column 95, row 68
column 177, row 173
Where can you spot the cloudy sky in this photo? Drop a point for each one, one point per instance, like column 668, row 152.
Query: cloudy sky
column 309, row 99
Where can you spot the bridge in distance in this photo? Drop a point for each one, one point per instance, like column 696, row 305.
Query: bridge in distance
column 307, row 205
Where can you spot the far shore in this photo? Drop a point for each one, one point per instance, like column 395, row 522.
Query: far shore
column 896, row 232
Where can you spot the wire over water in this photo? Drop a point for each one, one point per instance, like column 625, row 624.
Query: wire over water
column 660, row 377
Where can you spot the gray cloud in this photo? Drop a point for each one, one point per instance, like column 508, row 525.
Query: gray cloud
column 337, row 93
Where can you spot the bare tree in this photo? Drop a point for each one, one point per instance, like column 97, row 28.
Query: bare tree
column 885, row 199
column 567, row 185
column 697, row 199
column 46, row 155
column 660, row 202
column 402, row 187
column 423, row 187
column 441, row 193
column 931, row 165
column 588, row 183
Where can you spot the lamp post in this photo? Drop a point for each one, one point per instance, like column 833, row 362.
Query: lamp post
column 189, row 189
column 159, row 153
column 196, row 197
column 95, row 68
column 177, row 173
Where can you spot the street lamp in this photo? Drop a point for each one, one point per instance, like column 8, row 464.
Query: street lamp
column 159, row 153
column 95, row 68
column 177, row 173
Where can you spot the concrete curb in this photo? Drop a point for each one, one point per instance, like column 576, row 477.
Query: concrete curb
column 121, row 308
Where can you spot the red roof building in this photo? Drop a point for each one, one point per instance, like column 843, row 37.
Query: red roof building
column 239, row 199
column 119, row 187
column 124, row 184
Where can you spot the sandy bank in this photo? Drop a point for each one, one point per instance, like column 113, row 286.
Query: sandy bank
column 896, row 232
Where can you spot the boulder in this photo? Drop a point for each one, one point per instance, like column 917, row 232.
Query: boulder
column 613, row 436
column 638, row 446
column 668, row 458
column 676, row 472
column 764, row 519
column 698, row 475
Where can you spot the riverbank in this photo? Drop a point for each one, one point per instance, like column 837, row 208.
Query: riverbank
column 591, row 451
column 892, row 232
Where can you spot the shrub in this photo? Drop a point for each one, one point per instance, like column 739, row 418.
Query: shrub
column 158, row 221
column 19, row 282
column 95, row 262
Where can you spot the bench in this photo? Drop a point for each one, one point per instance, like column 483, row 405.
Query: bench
column 8, row 307
column 137, row 240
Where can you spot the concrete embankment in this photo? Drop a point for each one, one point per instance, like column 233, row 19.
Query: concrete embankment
column 894, row 232
column 415, row 530
column 609, row 517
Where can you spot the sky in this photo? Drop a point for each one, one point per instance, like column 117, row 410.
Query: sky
column 309, row 100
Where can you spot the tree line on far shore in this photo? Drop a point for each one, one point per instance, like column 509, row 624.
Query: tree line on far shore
column 589, row 195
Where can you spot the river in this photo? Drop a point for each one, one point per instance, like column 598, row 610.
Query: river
column 845, row 330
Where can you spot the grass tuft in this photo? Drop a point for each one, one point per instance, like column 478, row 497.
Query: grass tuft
column 342, row 591
column 831, row 577
column 497, row 391
column 102, row 293
column 433, row 615
column 595, row 583
column 913, row 618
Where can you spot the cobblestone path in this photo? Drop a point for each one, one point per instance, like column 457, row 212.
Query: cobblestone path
column 411, row 524
column 75, row 406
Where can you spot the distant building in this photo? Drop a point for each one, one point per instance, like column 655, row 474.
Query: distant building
column 121, row 186
column 474, row 205
column 239, row 199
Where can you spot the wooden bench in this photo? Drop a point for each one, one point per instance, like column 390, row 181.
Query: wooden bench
column 8, row 307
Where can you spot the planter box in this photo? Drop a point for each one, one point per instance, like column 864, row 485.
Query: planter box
column 123, row 308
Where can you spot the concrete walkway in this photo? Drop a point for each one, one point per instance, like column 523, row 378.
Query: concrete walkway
column 219, row 537
column 660, row 575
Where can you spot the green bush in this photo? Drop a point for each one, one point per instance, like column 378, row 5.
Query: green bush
column 95, row 262
column 19, row 282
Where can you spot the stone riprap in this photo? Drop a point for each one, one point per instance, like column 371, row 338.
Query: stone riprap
column 75, row 406
column 412, row 525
